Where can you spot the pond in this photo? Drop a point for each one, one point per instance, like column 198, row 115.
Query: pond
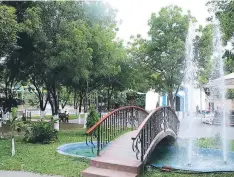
column 79, row 149
column 204, row 159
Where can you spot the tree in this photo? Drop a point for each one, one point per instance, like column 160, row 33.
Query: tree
column 8, row 30
column 223, row 11
column 92, row 117
column 61, row 39
column 141, row 76
column 12, row 122
column 165, row 50
column 203, row 52
column 9, row 66
column 64, row 96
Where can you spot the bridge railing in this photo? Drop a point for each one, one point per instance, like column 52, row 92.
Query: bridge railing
column 114, row 124
column 159, row 120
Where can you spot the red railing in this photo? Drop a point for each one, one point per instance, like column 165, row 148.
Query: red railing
column 113, row 124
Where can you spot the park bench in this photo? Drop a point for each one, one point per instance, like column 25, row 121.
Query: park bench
column 63, row 117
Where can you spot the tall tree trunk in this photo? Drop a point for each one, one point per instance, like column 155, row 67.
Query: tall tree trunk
column 75, row 103
column 51, row 104
column 108, row 99
column 171, row 100
column 12, row 141
column 81, row 100
column 54, row 106
column 168, row 100
column 40, row 95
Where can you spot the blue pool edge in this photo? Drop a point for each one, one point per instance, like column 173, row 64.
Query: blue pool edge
column 72, row 155
column 60, row 151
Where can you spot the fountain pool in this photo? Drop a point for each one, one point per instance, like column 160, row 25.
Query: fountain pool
column 79, row 149
column 204, row 159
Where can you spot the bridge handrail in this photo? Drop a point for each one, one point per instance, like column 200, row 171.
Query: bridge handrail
column 151, row 126
column 94, row 127
column 112, row 124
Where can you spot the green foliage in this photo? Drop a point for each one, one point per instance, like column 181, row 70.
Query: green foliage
column 14, row 112
column 31, row 99
column 8, row 30
column 92, row 117
column 139, row 73
column 224, row 12
column 64, row 96
column 138, row 99
column 9, row 66
column 40, row 132
column 163, row 54
column 203, row 52
column 168, row 31
column 230, row 94
column 21, row 126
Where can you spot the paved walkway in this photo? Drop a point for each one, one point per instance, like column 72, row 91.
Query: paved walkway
column 120, row 151
column 21, row 174
column 201, row 130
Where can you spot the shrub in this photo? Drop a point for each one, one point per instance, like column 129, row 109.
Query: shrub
column 92, row 117
column 21, row 126
column 40, row 132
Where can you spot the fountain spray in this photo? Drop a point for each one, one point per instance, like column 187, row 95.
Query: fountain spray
column 189, row 83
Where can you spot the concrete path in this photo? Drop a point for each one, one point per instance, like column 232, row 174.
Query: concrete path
column 201, row 130
column 120, row 150
column 21, row 174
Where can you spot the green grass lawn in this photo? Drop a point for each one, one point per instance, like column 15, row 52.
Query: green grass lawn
column 44, row 158
column 71, row 116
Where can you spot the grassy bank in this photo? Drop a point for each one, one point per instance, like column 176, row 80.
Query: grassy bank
column 44, row 158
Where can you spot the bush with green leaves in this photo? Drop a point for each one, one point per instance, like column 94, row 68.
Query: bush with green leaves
column 92, row 117
column 40, row 132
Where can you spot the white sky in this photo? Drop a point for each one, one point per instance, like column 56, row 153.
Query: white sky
column 136, row 13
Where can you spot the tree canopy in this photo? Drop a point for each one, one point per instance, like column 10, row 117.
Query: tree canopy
column 163, row 54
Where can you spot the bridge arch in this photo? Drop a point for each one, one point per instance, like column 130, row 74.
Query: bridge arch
column 161, row 123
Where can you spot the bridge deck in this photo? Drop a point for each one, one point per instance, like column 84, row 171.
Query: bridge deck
column 117, row 157
column 120, row 151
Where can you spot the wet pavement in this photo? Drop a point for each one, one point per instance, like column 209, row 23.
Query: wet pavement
column 198, row 129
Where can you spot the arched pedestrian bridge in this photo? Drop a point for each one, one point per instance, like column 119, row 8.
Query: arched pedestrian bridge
column 126, row 137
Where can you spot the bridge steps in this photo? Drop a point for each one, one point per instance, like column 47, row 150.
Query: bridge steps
column 118, row 160
column 100, row 172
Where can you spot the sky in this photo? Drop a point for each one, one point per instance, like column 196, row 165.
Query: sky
column 135, row 14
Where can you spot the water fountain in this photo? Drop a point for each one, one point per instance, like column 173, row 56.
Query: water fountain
column 218, row 72
column 189, row 82
column 185, row 155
